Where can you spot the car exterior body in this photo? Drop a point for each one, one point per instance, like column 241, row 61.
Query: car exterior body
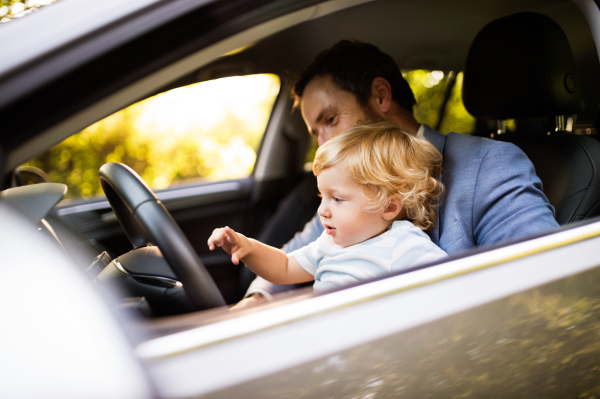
column 516, row 319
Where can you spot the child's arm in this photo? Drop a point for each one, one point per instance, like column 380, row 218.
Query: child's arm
column 270, row 263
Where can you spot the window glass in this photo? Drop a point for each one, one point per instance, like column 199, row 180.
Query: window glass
column 203, row 132
column 429, row 88
column 11, row 9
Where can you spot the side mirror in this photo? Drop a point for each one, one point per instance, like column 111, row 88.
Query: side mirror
column 25, row 175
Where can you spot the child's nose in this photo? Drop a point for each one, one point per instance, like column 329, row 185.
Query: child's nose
column 324, row 210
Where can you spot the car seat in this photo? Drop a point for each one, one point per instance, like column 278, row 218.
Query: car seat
column 521, row 66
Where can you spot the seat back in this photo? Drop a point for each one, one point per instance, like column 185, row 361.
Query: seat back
column 535, row 76
column 568, row 166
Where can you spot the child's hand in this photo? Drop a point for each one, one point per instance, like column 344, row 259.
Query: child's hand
column 236, row 245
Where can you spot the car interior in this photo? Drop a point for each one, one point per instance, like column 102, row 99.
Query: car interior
column 551, row 96
column 539, row 81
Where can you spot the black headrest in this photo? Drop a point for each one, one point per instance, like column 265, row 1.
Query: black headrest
column 521, row 66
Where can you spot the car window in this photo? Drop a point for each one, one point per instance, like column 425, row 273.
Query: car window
column 430, row 88
column 207, row 131
column 11, row 9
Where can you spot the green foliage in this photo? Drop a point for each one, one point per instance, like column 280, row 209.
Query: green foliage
column 456, row 118
column 429, row 87
column 167, row 140
column 11, row 9
column 429, row 93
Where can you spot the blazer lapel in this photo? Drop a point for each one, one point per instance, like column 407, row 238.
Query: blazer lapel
column 439, row 142
column 436, row 138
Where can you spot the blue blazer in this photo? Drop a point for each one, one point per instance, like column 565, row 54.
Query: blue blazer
column 492, row 193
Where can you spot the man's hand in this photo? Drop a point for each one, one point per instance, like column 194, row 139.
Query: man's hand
column 255, row 299
column 235, row 244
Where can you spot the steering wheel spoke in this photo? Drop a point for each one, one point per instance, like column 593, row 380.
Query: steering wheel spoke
column 145, row 220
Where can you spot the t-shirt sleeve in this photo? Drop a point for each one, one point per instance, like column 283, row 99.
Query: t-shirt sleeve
column 306, row 256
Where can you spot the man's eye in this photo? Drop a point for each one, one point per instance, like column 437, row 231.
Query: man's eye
column 331, row 119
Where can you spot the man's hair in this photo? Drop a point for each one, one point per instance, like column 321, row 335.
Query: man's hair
column 387, row 160
column 352, row 66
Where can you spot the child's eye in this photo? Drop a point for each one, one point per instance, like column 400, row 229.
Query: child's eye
column 336, row 199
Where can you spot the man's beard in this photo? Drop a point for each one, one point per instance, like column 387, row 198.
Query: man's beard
column 370, row 116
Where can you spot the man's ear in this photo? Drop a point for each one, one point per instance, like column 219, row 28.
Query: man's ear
column 393, row 208
column 381, row 94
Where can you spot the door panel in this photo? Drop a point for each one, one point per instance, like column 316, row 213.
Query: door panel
column 516, row 321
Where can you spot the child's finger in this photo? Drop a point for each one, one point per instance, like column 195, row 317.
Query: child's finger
column 217, row 238
column 230, row 235
column 212, row 243
column 237, row 256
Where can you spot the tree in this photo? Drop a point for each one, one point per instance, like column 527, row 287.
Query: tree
column 11, row 9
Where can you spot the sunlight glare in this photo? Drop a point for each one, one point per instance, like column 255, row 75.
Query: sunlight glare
column 38, row 3
column 202, row 106
column 16, row 8
column 438, row 75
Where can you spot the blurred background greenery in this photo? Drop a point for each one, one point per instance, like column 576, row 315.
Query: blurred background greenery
column 430, row 88
column 206, row 131
column 11, row 9
column 210, row 131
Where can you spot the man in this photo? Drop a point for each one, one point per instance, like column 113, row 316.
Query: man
column 492, row 192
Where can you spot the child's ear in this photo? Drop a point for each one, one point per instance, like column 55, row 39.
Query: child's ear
column 393, row 208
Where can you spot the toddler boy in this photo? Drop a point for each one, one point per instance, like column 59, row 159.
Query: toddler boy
column 379, row 186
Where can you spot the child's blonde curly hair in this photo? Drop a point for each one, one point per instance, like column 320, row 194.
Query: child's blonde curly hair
column 387, row 160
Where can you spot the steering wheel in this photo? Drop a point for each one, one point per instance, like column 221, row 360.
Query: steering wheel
column 146, row 221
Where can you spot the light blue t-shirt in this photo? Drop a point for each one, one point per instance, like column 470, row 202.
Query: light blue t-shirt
column 399, row 248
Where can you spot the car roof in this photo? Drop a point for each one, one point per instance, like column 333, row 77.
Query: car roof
column 73, row 20
column 434, row 35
